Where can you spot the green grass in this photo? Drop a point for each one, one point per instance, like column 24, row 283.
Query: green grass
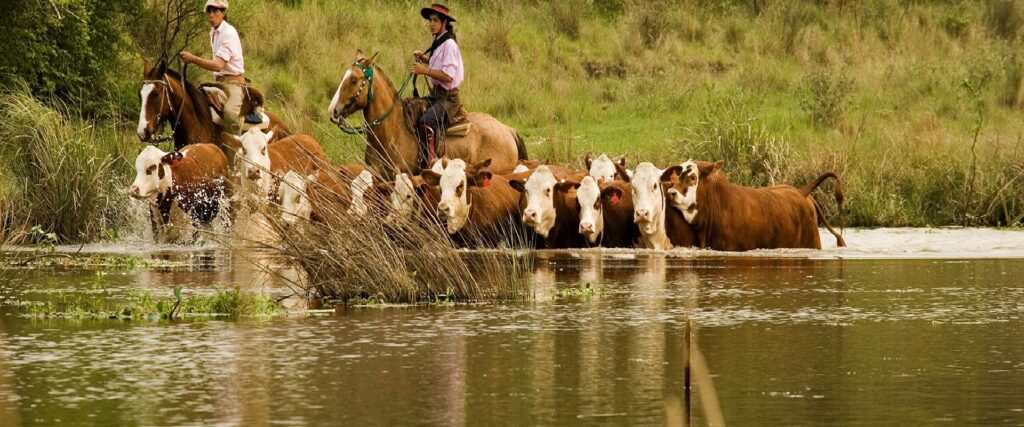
column 229, row 302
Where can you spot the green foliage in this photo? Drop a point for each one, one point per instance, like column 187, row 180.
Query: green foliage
column 68, row 50
column 59, row 169
column 826, row 99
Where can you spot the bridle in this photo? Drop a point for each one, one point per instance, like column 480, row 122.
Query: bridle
column 165, row 97
column 368, row 82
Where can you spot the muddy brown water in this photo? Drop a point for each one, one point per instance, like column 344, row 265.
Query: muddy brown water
column 910, row 335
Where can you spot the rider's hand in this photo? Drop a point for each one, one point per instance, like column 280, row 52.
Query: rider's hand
column 419, row 68
column 419, row 56
column 187, row 58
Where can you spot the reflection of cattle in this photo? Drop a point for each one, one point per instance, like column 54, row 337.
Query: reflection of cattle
column 481, row 207
column 192, row 179
column 550, row 206
column 735, row 218
column 660, row 228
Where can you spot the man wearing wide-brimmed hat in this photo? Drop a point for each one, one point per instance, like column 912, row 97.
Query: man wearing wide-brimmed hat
column 227, row 64
column 442, row 63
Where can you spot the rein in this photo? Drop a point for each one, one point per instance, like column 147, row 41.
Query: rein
column 368, row 81
column 167, row 98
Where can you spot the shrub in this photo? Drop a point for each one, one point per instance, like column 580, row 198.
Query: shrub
column 826, row 97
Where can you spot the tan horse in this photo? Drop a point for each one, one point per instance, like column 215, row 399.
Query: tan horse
column 167, row 98
column 391, row 138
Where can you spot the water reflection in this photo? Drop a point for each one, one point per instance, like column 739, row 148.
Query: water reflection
column 850, row 342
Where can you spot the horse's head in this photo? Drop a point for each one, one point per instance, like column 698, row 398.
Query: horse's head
column 355, row 91
column 156, row 99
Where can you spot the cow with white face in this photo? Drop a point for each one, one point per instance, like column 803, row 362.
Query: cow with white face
column 455, row 204
column 551, row 208
column 682, row 195
column 606, row 213
column 604, row 168
column 403, row 198
column 649, row 206
column 295, row 204
column 192, row 179
column 256, row 160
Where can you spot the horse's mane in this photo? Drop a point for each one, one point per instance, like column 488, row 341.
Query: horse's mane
column 198, row 99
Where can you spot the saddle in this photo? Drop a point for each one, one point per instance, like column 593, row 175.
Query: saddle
column 415, row 107
column 252, row 101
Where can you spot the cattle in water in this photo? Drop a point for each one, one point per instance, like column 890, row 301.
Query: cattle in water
column 193, row 180
column 264, row 161
column 731, row 217
column 606, row 213
column 482, row 208
column 315, row 197
column 413, row 196
column 549, row 206
column 659, row 228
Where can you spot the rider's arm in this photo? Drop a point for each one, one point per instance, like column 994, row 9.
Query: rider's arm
column 439, row 75
column 216, row 64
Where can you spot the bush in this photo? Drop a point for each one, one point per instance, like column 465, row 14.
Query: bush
column 58, row 169
column 826, row 97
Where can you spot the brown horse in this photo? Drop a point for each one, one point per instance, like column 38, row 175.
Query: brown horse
column 167, row 98
column 390, row 135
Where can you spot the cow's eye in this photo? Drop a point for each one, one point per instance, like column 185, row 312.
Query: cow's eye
column 597, row 204
column 547, row 192
column 149, row 170
column 654, row 187
column 264, row 151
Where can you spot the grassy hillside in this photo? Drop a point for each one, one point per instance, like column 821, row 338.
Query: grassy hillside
column 893, row 94
column 917, row 104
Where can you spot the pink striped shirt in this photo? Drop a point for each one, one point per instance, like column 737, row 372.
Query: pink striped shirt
column 448, row 59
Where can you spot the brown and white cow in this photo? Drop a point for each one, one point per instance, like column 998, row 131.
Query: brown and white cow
column 413, row 196
column 604, row 168
column 315, row 197
column 731, row 217
column 606, row 213
column 192, row 179
column 659, row 227
column 481, row 207
column 549, row 205
column 263, row 161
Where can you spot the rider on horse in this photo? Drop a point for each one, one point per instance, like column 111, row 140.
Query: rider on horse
column 227, row 63
column 442, row 63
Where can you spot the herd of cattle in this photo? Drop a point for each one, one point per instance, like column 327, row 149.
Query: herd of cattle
column 692, row 204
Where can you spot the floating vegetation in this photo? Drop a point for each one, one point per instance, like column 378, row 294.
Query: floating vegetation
column 99, row 303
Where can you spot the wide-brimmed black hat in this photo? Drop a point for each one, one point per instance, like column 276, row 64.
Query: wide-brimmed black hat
column 437, row 8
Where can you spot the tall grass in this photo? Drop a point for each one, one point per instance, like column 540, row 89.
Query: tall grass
column 385, row 259
column 58, row 171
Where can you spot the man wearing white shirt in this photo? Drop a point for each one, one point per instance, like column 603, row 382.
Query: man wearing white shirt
column 227, row 64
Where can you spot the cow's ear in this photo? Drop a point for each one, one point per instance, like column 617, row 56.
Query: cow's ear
column 588, row 159
column 269, row 135
column 343, row 175
column 718, row 165
column 670, row 172
column 383, row 189
column 431, row 177
column 567, row 185
column 482, row 165
column 709, row 168
column 611, row 195
column 480, row 179
column 171, row 158
column 444, row 162
column 620, row 171
column 518, row 185
column 622, row 161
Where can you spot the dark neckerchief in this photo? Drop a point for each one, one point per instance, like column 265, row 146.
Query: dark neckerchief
column 437, row 42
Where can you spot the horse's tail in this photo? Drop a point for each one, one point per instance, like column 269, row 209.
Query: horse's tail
column 520, row 146
column 809, row 188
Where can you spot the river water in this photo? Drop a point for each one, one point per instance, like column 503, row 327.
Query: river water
column 905, row 327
